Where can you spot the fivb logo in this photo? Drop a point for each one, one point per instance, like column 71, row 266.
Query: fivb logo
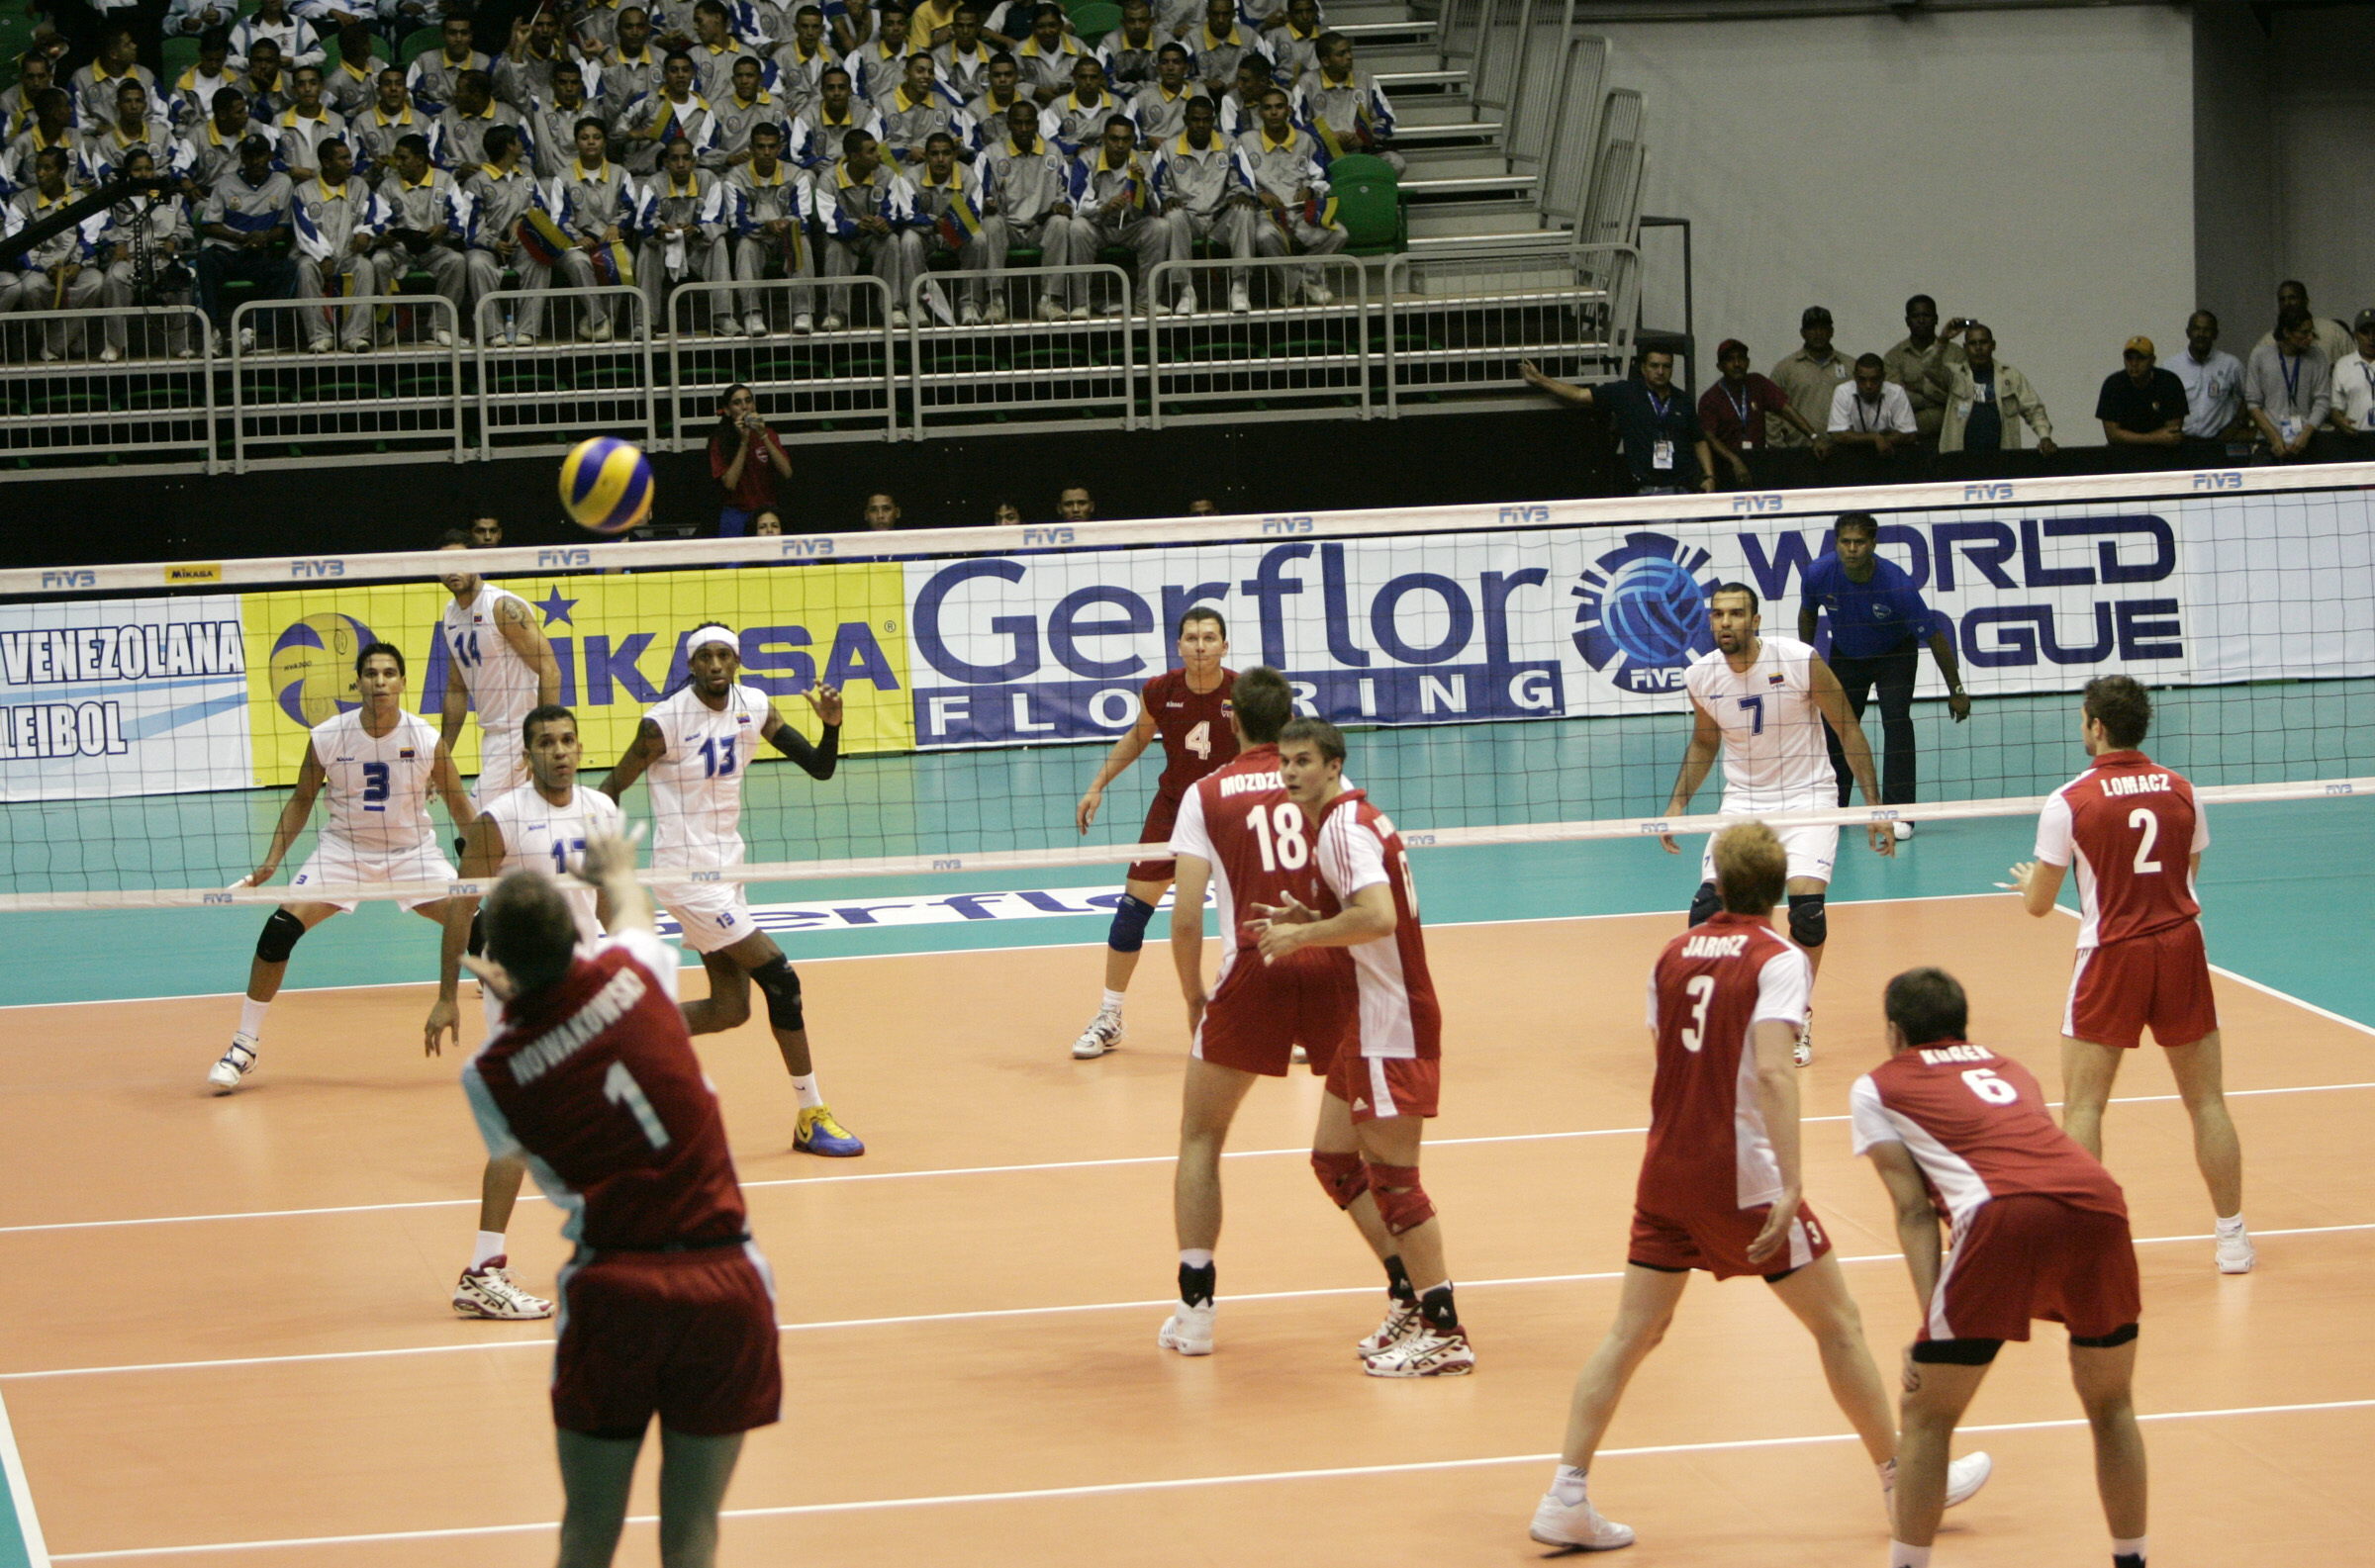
column 1998, row 492
column 69, row 579
column 1643, row 615
column 1751, row 505
column 548, row 560
column 2227, row 479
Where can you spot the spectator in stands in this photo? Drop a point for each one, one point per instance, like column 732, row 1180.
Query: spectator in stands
column 673, row 114
column 214, row 148
column 867, row 215
column 594, row 205
column 1221, row 44
column 1075, row 505
column 308, row 123
column 190, row 18
column 879, row 66
column 293, row 37
column 338, row 221
column 820, row 138
column 501, row 194
column 245, row 226
column 1920, row 362
column 1873, row 410
column 1988, row 402
column 2333, row 339
column 769, row 523
column 1663, row 445
column 1128, row 52
column 918, row 109
column 1736, row 410
column 1205, row 197
column 551, row 123
column 746, row 458
column 1811, row 377
column 160, row 231
column 715, row 51
column 486, row 532
column 524, row 73
column 1161, row 106
column 682, row 221
column 463, row 125
column 633, row 68
column 948, row 204
column 118, row 61
column 1110, row 195
column 1081, row 113
column 1345, row 107
column 425, row 229
column 2213, row 382
column 2353, row 410
column 374, row 133
column 748, row 106
column 1047, row 56
column 1294, row 43
column 800, row 64
column 1241, row 105
column 882, row 511
column 771, row 215
column 2141, row 404
column 1290, row 183
column 992, row 111
column 1004, row 515
column 61, row 273
column 431, row 79
column 53, row 127
column 192, row 94
column 268, row 96
column 2288, row 385
column 353, row 85
column 33, row 79
column 1030, row 206
column 962, row 62
column 103, row 148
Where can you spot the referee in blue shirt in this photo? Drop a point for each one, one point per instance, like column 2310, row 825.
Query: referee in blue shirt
column 1878, row 624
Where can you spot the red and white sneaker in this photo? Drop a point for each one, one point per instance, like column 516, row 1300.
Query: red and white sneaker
column 1802, row 1053
column 488, row 1291
column 1424, row 1354
column 1402, row 1319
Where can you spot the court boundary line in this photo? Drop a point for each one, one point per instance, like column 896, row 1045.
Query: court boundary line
column 20, row 1495
column 975, row 1315
column 1116, row 1161
column 1188, row 1483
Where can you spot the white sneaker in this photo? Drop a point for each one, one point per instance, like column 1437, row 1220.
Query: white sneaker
column 1185, row 304
column 488, row 1291
column 754, row 323
column 499, row 339
column 1240, row 302
column 725, row 326
column 1402, row 1319
column 233, row 1064
column 185, row 353
column 1189, row 1330
column 1904, row 831
column 2236, row 1253
column 1802, row 1053
column 1079, row 313
column 898, row 318
column 1425, row 1354
column 601, row 333
column 803, row 324
column 1103, row 1034
column 998, row 312
column 1050, row 311
column 110, row 354
column 247, row 339
column 1557, row 1524
column 831, row 323
column 969, row 314
column 1113, row 307
column 1317, row 293
column 444, row 336
column 320, row 345
column 523, row 340
column 1964, row 1477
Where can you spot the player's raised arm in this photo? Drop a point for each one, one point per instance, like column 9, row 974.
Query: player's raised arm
column 1773, row 1043
column 1706, row 739
column 527, row 640
column 821, row 759
column 1830, row 698
column 610, row 864
column 1125, row 750
column 1916, row 1217
column 292, row 817
column 482, row 859
column 446, row 779
column 649, row 746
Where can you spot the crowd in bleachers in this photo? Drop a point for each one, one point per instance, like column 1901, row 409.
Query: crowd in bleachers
column 349, row 151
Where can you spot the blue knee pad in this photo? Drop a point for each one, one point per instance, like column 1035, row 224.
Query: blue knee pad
column 279, row 937
column 1705, row 904
column 782, row 986
column 1130, row 916
column 1809, row 925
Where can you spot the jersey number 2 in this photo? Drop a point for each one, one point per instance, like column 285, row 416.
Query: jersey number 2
column 2146, row 822
column 618, row 1086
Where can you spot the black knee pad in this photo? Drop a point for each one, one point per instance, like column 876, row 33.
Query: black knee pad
column 1705, row 904
column 782, row 986
column 1128, row 932
column 279, row 937
column 477, row 948
column 1809, row 925
column 1955, row 1353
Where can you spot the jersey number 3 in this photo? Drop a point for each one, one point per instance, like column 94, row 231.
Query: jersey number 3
column 618, row 1086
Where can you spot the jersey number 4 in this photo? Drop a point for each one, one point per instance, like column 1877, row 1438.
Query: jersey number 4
column 1198, row 741
column 618, row 1086
column 1280, row 833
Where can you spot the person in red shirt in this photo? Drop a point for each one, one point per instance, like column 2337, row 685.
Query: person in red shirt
column 1240, row 835
column 2131, row 827
column 1389, row 1068
column 2039, row 1230
column 746, row 458
column 1720, row 1182
column 1735, row 410
column 1188, row 708
column 666, row 1307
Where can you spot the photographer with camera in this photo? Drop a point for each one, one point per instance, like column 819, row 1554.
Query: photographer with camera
column 144, row 247
column 746, row 459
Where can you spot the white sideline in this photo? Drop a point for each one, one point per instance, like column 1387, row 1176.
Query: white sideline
column 1187, row 1483
column 975, row 1315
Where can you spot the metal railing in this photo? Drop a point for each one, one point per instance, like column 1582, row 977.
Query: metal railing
column 1573, row 128
column 151, row 409
column 989, row 376
column 1461, row 322
column 299, row 392
column 1294, row 353
column 811, row 385
column 564, row 387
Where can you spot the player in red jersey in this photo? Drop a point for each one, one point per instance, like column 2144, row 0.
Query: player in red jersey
column 1389, row 1069
column 1240, row 834
column 1190, row 709
column 666, row 1305
column 1720, row 1184
column 2039, row 1230
column 2132, row 829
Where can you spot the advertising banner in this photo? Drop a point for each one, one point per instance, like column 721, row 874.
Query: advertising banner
column 121, row 697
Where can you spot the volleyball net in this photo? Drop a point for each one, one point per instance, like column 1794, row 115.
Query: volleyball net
column 1505, row 674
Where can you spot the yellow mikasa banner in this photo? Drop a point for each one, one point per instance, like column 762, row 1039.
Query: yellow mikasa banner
column 618, row 641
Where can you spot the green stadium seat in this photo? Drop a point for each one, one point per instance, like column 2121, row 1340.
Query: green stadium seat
column 419, row 40
column 1368, row 203
column 180, row 52
column 1094, row 19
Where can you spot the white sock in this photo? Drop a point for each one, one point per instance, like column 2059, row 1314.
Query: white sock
column 805, row 1085
column 2135, row 1548
column 1195, row 1257
column 1901, row 1555
column 2233, row 1225
column 251, row 1017
column 1112, row 1003
column 1569, row 1486
column 489, row 1245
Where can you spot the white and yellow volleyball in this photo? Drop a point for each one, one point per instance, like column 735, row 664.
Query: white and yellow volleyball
column 606, row 485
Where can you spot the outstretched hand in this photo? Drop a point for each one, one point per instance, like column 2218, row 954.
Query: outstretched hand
column 826, row 701
column 1277, row 927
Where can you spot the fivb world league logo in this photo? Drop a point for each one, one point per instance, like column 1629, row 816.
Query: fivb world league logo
column 1643, row 615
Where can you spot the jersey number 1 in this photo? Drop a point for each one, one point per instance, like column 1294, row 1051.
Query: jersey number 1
column 618, row 1086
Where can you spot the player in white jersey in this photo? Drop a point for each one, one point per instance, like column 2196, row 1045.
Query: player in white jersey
column 378, row 764
column 498, row 662
column 697, row 745
column 542, row 825
column 1761, row 701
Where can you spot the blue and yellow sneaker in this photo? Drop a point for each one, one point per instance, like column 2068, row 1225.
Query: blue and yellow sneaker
column 817, row 1132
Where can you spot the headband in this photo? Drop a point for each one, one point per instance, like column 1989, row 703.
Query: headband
column 711, row 634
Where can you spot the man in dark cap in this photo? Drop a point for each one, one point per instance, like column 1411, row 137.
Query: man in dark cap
column 1809, row 377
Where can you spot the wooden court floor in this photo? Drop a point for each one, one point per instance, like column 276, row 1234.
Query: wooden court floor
column 223, row 1337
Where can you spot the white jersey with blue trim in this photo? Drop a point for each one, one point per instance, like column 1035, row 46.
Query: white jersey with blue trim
column 1774, row 756
column 502, row 684
column 697, row 782
column 540, row 836
column 378, row 785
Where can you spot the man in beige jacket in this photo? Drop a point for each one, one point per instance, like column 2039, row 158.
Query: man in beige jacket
column 1987, row 400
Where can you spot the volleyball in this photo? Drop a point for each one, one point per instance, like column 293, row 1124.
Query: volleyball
column 606, row 485
column 312, row 667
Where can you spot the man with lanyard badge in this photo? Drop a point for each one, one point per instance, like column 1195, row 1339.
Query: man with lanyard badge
column 1665, row 448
